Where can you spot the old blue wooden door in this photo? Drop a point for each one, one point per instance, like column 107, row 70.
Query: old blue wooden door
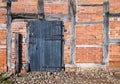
column 45, row 45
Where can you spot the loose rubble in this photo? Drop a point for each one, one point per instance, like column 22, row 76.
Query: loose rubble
column 99, row 77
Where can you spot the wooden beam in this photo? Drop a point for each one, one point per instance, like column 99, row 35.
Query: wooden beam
column 91, row 22
column 40, row 8
column 105, row 32
column 90, row 4
column 27, row 48
column 26, row 16
column 114, row 15
column 61, row 17
column 114, row 40
column 1, row 7
column 9, row 0
column 16, row 49
column 9, row 36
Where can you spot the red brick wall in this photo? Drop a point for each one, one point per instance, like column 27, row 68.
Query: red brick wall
column 114, row 5
column 114, row 55
column 2, row 13
column 56, row 6
column 89, row 37
column 89, row 1
column 114, row 49
column 67, row 45
column 88, row 55
column 89, row 34
column 86, row 14
column 114, row 27
column 25, row 6
column 3, row 62
column 3, row 65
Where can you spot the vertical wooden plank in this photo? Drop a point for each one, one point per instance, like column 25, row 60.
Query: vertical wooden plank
column 17, row 68
column 106, row 32
column 9, row 37
column 45, row 48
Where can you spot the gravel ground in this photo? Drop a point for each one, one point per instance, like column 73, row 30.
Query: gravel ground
column 95, row 77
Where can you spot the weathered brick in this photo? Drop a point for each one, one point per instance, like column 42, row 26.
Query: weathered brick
column 115, row 27
column 114, row 55
column 2, row 36
column 19, row 27
column 114, row 64
column 25, row 6
column 3, row 17
column 2, row 4
column 86, row 14
column 114, row 51
column 3, row 58
column 114, row 5
column 67, row 53
column 67, row 29
column 88, row 55
column 89, row 1
column 56, row 8
column 89, row 34
column 55, row 1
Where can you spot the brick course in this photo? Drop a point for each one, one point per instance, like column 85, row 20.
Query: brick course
column 89, row 1
column 3, row 16
column 88, row 55
column 25, row 6
column 56, row 8
column 3, row 65
column 115, row 28
column 114, row 6
column 114, row 55
column 87, row 14
column 89, row 34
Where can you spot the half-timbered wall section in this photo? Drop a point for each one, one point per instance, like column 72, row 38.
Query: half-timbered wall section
column 91, row 31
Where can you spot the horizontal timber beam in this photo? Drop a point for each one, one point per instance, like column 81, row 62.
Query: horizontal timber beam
column 90, row 4
column 114, row 40
column 26, row 16
column 114, row 15
column 2, row 7
column 82, row 23
column 56, row 16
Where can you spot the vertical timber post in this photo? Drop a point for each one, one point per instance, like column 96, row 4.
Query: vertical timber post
column 72, row 31
column 105, row 32
column 9, row 36
column 17, row 58
column 40, row 8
